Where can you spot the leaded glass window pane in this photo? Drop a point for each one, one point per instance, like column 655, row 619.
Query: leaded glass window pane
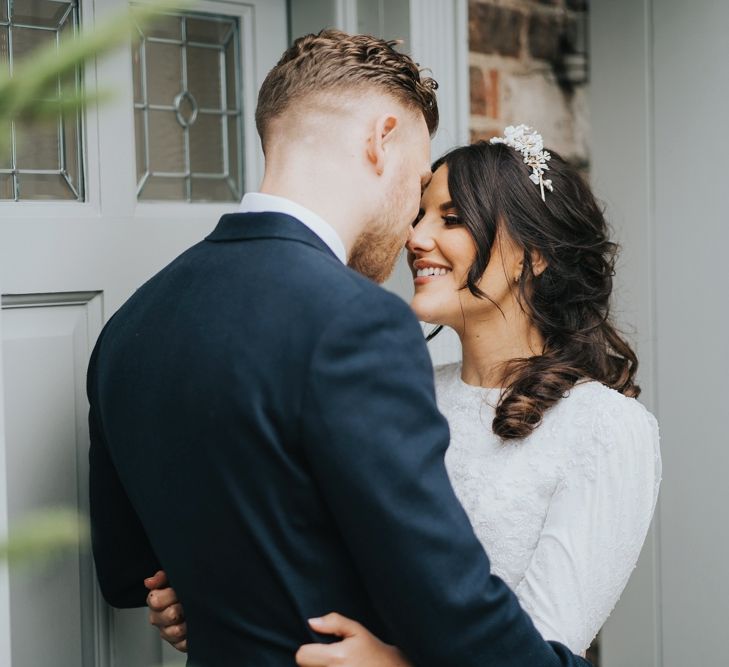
column 41, row 159
column 187, row 109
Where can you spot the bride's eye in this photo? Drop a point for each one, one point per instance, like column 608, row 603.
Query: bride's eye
column 451, row 220
column 418, row 217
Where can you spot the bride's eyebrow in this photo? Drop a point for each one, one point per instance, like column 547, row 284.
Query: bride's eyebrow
column 447, row 205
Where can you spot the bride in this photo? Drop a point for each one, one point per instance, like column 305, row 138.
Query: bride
column 555, row 462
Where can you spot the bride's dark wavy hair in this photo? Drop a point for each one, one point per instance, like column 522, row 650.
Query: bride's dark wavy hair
column 569, row 302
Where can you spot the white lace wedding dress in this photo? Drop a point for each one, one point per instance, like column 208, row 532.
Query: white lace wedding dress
column 564, row 512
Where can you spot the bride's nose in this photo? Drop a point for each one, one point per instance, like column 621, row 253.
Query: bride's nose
column 419, row 239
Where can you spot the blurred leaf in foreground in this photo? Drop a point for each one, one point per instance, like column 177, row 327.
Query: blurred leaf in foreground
column 44, row 535
column 36, row 77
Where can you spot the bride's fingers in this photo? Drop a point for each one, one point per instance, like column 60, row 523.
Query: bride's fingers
column 172, row 615
column 173, row 634
column 158, row 580
column 318, row 655
column 335, row 624
column 160, row 599
column 181, row 646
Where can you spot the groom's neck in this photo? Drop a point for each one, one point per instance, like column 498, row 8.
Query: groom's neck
column 316, row 190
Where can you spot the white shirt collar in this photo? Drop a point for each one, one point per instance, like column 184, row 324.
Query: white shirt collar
column 257, row 202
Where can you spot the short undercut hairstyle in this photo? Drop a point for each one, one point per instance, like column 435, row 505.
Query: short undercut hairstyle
column 334, row 61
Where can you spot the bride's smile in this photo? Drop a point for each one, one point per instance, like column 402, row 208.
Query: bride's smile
column 442, row 254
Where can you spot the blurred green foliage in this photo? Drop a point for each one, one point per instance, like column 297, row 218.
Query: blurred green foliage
column 36, row 77
column 44, row 535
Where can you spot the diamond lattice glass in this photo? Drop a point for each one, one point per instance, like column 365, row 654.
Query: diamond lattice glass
column 40, row 159
column 188, row 109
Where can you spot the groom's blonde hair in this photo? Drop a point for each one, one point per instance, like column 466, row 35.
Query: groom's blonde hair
column 336, row 62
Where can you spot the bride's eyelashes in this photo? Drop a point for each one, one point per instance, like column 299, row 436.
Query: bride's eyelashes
column 449, row 220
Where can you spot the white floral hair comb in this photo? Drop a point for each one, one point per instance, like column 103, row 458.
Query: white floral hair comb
column 531, row 146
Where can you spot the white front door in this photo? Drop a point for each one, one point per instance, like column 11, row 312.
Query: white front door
column 75, row 243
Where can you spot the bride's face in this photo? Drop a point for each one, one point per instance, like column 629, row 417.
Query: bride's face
column 441, row 252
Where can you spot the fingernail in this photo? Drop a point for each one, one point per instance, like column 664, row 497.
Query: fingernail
column 315, row 620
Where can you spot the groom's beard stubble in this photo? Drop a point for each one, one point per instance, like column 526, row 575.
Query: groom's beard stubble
column 375, row 254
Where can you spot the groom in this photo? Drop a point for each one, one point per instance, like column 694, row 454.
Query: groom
column 259, row 409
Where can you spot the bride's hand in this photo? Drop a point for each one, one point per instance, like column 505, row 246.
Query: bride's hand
column 358, row 648
column 165, row 611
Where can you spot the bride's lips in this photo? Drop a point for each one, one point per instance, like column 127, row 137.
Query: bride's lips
column 425, row 271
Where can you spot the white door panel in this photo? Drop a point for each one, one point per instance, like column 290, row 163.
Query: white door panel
column 45, row 344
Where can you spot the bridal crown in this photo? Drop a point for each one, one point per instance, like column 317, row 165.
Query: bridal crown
column 530, row 144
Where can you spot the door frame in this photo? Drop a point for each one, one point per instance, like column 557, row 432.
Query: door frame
column 5, row 635
column 621, row 57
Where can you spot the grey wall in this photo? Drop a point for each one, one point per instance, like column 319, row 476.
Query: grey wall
column 307, row 16
column 660, row 97
column 389, row 19
column 384, row 18
column 691, row 83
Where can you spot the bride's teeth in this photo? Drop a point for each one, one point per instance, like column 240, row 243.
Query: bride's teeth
column 430, row 271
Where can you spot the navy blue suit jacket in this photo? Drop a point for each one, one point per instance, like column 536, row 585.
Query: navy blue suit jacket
column 264, row 428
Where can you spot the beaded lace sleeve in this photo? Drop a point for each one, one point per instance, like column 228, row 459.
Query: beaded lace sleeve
column 596, row 523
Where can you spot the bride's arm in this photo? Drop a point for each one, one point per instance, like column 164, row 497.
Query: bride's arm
column 595, row 528
column 357, row 647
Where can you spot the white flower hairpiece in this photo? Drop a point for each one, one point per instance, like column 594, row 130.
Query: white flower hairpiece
column 531, row 146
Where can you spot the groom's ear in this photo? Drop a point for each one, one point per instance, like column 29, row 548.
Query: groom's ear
column 382, row 134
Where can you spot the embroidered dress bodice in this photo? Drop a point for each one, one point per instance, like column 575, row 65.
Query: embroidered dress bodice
column 562, row 513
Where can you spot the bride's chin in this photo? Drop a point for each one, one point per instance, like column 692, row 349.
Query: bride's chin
column 426, row 315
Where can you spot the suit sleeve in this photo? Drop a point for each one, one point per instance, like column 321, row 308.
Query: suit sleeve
column 122, row 553
column 376, row 444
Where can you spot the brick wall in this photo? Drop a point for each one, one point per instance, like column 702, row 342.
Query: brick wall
column 518, row 52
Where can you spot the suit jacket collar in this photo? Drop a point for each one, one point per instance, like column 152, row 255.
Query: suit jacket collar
column 245, row 226
column 259, row 202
